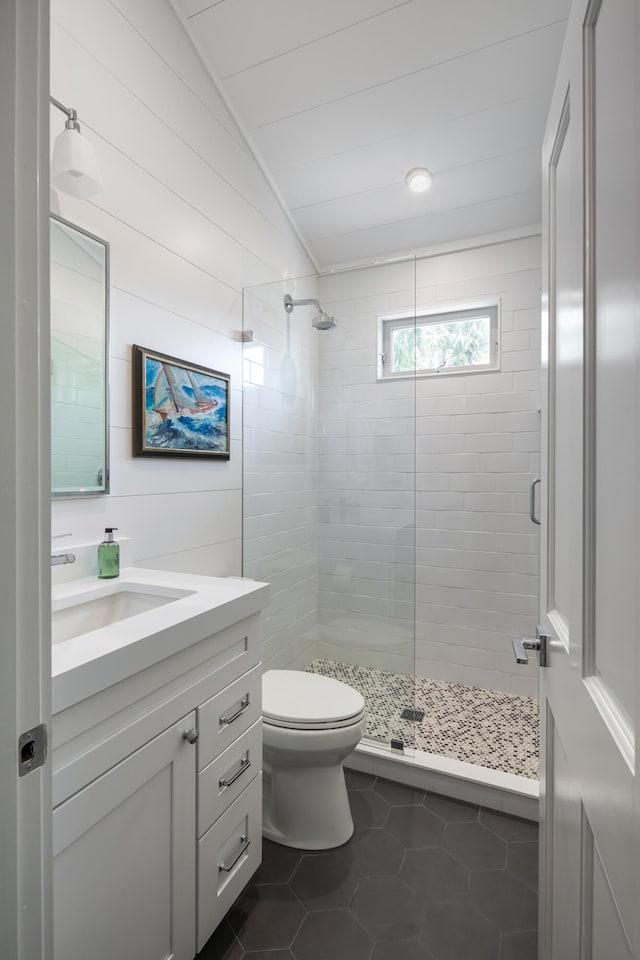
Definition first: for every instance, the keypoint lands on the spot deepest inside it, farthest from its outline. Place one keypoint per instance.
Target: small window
(453, 341)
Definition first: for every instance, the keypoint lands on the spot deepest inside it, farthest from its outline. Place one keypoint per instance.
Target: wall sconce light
(74, 168)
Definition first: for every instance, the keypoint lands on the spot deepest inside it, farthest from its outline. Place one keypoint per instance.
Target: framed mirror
(79, 361)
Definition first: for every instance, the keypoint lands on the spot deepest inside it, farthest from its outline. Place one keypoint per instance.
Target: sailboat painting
(180, 409)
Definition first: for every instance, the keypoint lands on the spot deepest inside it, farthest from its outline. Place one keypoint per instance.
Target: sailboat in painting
(177, 392)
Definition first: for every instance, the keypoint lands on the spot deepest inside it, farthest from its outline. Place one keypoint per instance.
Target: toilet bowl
(311, 724)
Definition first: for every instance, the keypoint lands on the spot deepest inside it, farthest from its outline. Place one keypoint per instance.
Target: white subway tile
(459, 404)
(527, 380)
(436, 557)
(526, 442)
(527, 319)
(508, 402)
(513, 483)
(489, 442)
(505, 462)
(475, 423)
(440, 670)
(494, 502)
(508, 522)
(440, 500)
(433, 481)
(521, 360)
(451, 462)
(440, 443)
(429, 425)
(473, 482)
(516, 340)
(487, 383)
(470, 540)
(517, 422)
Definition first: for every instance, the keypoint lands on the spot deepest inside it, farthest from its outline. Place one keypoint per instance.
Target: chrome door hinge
(32, 749)
(522, 644)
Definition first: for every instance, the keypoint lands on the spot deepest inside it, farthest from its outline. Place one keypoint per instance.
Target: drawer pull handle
(245, 763)
(244, 703)
(223, 868)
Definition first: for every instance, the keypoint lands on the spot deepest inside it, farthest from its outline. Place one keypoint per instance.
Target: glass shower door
(329, 486)
(366, 582)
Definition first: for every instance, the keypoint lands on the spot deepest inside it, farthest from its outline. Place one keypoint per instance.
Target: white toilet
(311, 724)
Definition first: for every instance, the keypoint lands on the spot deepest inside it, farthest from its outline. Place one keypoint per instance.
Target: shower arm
(289, 304)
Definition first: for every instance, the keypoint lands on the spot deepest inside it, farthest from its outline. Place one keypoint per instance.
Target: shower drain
(410, 713)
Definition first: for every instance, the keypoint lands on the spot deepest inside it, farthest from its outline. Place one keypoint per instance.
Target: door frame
(25, 648)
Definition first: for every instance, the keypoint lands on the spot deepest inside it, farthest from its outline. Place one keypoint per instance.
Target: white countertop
(86, 664)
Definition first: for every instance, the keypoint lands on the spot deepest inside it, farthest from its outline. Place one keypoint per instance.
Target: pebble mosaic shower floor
(491, 729)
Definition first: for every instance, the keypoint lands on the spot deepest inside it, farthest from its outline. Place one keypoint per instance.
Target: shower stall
(350, 513)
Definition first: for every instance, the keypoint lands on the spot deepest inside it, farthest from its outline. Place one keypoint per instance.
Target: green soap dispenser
(108, 556)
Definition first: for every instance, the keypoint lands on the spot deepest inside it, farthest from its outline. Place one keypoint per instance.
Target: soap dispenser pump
(108, 556)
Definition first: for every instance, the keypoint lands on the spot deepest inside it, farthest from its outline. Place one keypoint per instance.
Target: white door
(590, 867)
(25, 675)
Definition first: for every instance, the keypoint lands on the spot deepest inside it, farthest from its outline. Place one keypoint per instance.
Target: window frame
(438, 315)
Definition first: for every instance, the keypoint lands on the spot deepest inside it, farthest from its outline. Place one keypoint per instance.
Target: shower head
(321, 322)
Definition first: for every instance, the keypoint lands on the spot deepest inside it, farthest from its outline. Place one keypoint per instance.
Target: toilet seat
(308, 701)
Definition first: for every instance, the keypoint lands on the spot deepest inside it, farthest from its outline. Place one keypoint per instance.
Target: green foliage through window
(463, 343)
(436, 343)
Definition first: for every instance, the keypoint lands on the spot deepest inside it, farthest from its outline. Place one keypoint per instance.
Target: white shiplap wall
(476, 452)
(191, 220)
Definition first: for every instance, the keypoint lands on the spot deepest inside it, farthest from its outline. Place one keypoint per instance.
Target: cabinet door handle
(245, 763)
(244, 703)
(191, 736)
(223, 868)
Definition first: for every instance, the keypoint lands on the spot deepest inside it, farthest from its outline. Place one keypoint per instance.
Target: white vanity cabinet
(156, 833)
(124, 857)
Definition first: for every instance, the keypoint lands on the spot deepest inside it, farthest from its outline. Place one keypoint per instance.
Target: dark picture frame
(180, 409)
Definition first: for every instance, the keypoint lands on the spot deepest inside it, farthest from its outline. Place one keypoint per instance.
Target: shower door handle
(532, 501)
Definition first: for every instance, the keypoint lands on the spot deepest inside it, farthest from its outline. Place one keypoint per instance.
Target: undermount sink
(106, 631)
(83, 614)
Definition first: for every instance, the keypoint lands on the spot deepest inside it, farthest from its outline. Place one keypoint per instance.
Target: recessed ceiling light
(419, 179)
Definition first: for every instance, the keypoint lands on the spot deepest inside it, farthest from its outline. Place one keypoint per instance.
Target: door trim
(25, 674)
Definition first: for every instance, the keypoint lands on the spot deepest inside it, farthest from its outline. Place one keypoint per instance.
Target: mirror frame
(107, 288)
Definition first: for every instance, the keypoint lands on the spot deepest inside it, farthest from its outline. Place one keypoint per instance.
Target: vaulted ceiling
(340, 98)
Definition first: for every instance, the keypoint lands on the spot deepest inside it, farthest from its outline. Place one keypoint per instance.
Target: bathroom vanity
(157, 748)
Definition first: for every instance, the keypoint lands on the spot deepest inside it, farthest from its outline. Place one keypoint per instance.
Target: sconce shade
(74, 168)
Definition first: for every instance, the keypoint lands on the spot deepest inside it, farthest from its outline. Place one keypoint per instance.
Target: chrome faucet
(59, 558)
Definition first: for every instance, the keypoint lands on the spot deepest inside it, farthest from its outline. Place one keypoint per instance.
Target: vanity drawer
(227, 776)
(224, 717)
(228, 856)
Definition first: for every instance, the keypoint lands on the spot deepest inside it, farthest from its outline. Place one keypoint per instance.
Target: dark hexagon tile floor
(422, 878)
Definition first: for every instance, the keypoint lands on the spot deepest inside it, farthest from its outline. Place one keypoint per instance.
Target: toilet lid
(299, 700)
